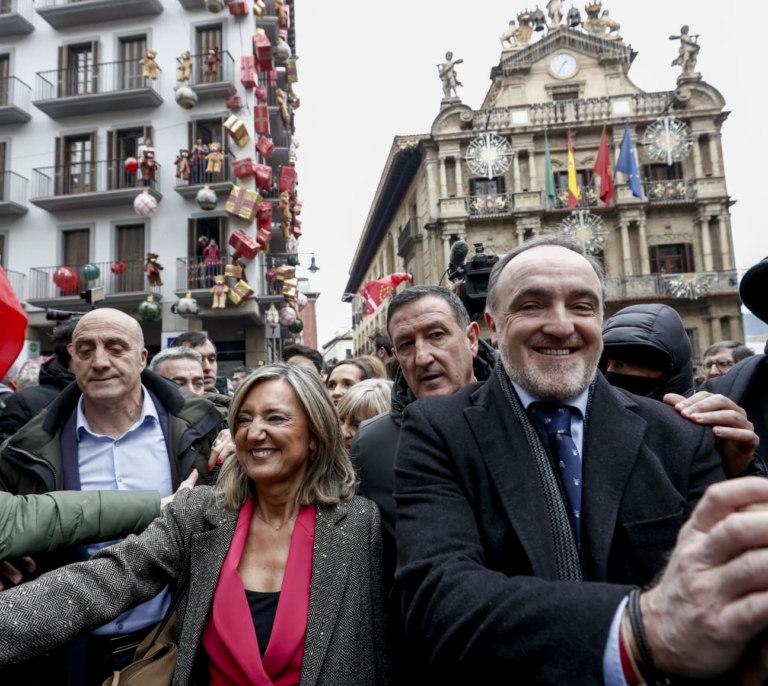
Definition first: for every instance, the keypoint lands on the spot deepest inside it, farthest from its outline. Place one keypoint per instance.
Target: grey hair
(543, 239)
(175, 354)
(738, 350)
(330, 475)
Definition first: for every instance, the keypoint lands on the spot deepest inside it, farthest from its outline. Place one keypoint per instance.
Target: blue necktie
(554, 421)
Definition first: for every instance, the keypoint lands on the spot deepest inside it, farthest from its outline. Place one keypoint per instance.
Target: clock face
(563, 65)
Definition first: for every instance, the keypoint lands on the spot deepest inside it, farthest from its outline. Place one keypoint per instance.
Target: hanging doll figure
(148, 164)
(185, 68)
(219, 290)
(215, 158)
(149, 67)
(212, 60)
(152, 269)
(199, 151)
(271, 277)
(183, 167)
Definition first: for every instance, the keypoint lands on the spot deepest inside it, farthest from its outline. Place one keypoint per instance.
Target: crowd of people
(561, 504)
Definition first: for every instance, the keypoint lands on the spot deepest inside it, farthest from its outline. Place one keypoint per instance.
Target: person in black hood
(54, 377)
(646, 351)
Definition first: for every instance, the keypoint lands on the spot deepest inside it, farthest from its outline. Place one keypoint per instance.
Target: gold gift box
(242, 203)
(290, 287)
(237, 130)
(240, 292)
(285, 271)
(233, 271)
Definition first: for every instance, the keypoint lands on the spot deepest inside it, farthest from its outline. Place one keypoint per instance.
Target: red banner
(376, 292)
(14, 325)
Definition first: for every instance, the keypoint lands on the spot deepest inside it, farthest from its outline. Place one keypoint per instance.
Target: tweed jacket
(346, 641)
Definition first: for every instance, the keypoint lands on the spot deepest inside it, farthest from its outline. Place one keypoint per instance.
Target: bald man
(118, 427)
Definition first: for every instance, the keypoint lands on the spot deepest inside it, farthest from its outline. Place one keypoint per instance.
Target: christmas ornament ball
(206, 198)
(66, 279)
(131, 165)
(187, 305)
(145, 205)
(301, 300)
(150, 310)
(297, 327)
(186, 96)
(118, 268)
(287, 316)
(91, 272)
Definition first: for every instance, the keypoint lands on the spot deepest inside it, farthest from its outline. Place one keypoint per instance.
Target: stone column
(714, 154)
(717, 330)
(516, 173)
(432, 192)
(725, 243)
(443, 179)
(446, 251)
(697, 168)
(625, 249)
(532, 166)
(520, 233)
(459, 177)
(706, 244)
(645, 264)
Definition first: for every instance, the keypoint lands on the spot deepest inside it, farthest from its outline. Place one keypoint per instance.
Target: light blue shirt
(613, 674)
(136, 461)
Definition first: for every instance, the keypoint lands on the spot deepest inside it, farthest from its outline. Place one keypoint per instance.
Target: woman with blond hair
(363, 401)
(277, 568)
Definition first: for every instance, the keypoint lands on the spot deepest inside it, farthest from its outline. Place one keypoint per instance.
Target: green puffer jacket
(41, 523)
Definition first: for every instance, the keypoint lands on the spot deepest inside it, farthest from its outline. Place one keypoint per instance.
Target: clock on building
(563, 65)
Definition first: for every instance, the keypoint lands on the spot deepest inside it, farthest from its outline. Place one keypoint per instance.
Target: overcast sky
(367, 72)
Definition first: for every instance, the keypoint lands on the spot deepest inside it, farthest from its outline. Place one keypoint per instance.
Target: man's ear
(492, 326)
(473, 334)
(143, 359)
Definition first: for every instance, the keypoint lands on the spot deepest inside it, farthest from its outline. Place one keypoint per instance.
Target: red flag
(376, 292)
(603, 170)
(14, 325)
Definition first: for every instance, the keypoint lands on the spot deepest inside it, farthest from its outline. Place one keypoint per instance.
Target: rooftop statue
(601, 26)
(448, 76)
(573, 18)
(688, 53)
(555, 10)
(509, 37)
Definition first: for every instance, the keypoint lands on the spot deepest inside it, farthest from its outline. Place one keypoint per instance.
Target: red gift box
(263, 237)
(244, 244)
(238, 8)
(261, 93)
(234, 103)
(248, 75)
(261, 119)
(264, 214)
(297, 207)
(262, 49)
(288, 179)
(244, 168)
(263, 174)
(296, 229)
(265, 147)
(272, 78)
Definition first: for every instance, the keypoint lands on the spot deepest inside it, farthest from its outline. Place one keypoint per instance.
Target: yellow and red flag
(574, 192)
(376, 292)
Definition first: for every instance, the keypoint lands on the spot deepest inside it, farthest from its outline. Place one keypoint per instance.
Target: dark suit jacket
(345, 644)
(476, 564)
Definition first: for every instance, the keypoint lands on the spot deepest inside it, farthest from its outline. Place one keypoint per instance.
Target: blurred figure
(55, 375)
(183, 366)
(214, 384)
(345, 374)
(720, 357)
(377, 366)
(238, 376)
(363, 401)
(382, 345)
(29, 374)
(302, 355)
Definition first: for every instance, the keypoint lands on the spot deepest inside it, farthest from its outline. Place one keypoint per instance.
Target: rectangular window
(493, 186)
(675, 258)
(558, 96)
(202, 133)
(76, 165)
(199, 273)
(130, 249)
(693, 335)
(77, 247)
(78, 70)
(663, 172)
(208, 37)
(121, 145)
(5, 82)
(131, 51)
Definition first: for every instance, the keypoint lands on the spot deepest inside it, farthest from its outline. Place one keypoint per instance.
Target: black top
(263, 610)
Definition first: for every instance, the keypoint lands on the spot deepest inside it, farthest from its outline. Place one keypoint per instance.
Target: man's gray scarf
(566, 552)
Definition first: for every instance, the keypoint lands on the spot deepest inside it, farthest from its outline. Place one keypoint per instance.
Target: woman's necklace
(276, 528)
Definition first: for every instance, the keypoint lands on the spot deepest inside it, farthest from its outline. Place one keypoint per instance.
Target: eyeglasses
(722, 364)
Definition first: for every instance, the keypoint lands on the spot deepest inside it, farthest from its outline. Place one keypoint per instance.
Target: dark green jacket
(41, 523)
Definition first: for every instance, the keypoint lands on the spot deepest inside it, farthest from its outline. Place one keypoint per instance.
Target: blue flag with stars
(627, 164)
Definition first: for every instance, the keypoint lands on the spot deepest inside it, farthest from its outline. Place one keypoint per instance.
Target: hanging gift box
(259, 8)
(284, 19)
(265, 147)
(242, 203)
(240, 292)
(237, 130)
(234, 103)
(263, 236)
(297, 207)
(244, 168)
(288, 179)
(233, 271)
(290, 287)
(296, 228)
(264, 215)
(261, 119)
(285, 271)
(262, 50)
(291, 75)
(244, 244)
(272, 78)
(248, 76)
(261, 93)
(263, 174)
(238, 8)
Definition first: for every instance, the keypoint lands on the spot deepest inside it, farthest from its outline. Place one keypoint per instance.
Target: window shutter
(688, 257)
(653, 254)
(62, 73)
(472, 187)
(500, 185)
(191, 134)
(95, 71)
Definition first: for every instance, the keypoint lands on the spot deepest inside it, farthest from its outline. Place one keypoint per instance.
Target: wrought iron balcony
(13, 194)
(196, 274)
(221, 183)
(97, 88)
(15, 17)
(17, 280)
(407, 236)
(589, 198)
(209, 84)
(14, 100)
(122, 286)
(62, 14)
(676, 190)
(83, 185)
(689, 286)
(490, 204)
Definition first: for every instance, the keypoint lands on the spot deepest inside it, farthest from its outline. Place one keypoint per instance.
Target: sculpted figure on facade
(448, 76)
(688, 54)
(601, 26)
(509, 37)
(611, 26)
(555, 11)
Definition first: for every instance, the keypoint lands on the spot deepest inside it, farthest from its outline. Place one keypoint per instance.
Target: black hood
(402, 396)
(53, 374)
(654, 335)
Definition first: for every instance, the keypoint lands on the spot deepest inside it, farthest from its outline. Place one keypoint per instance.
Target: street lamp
(313, 268)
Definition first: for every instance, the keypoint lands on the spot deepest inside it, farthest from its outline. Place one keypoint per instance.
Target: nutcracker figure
(199, 151)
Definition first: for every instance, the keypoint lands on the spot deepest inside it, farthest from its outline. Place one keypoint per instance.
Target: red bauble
(67, 279)
(118, 268)
(131, 165)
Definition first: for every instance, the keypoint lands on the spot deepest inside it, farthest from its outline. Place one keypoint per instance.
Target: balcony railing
(589, 198)
(16, 280)
(61, 14)
(490, 204)
(197, 273)
(88, 177)
(676, 190)
(131, 280)
(199, 176)
(13, 193)
(14, 100)
(103, 87)
(665, 286)
(15, 17)
(209, 84)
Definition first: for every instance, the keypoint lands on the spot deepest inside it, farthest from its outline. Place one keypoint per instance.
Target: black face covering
(639, 385)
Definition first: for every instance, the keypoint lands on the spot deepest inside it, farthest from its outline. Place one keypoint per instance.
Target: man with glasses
(720, 357)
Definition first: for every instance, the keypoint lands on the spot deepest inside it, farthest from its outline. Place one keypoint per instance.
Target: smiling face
(342, 378)
(107, 356)
(434, 352)
(547, 322)
(272, 436)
